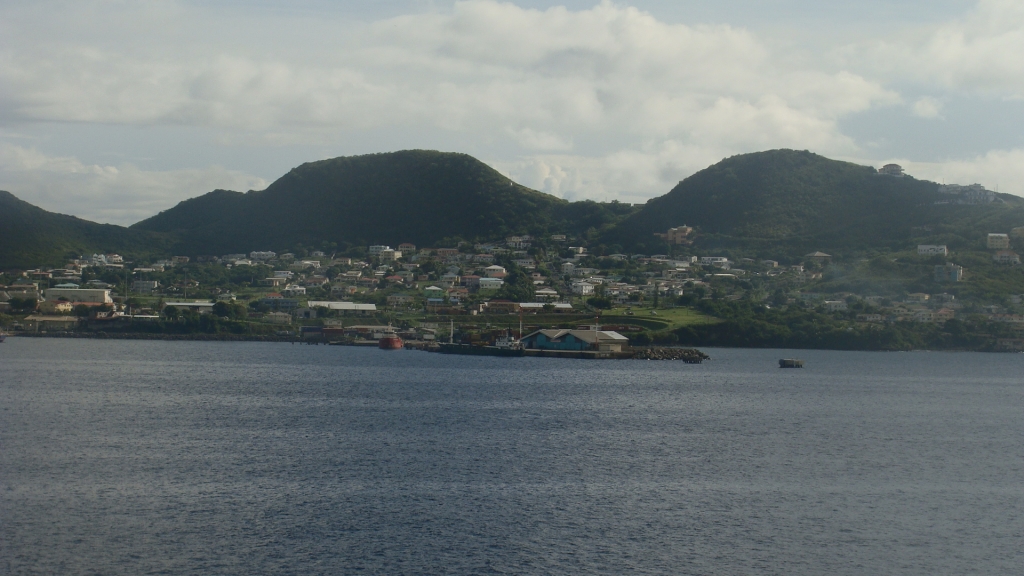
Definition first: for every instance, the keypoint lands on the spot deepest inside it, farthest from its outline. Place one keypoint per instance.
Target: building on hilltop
(891, 170)
(970, 194)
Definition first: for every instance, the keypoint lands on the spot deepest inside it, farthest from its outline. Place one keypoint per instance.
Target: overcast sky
(115, 110)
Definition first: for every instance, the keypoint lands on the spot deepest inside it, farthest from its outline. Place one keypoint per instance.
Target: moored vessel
(390, 341)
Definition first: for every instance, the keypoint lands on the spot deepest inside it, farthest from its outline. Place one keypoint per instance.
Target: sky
(114, 110)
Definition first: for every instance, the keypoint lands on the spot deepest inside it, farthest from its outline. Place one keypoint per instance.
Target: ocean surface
(135, 457)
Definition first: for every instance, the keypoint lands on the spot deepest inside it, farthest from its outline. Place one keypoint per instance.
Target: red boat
(390, 342)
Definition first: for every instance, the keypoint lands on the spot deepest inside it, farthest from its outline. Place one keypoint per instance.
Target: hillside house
(894, 170)
(819, 257)
(491, 283)
(948, 272)
(582, 288)
(495, 271)
(998, 242)
(932, 250)
(433, 292)
(677, 235)
(836, 305)
(1007, 257)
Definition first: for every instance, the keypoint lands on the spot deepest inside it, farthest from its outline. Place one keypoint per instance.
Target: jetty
(791, 363)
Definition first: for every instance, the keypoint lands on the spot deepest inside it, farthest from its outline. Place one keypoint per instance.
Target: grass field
(661, 319)
(656, 320)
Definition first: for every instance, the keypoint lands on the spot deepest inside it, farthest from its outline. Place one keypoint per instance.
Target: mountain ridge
(776, 203)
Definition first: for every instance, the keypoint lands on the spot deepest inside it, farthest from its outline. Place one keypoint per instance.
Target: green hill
(415, 196)
(32, 236)
(787, 203)
(777, 204)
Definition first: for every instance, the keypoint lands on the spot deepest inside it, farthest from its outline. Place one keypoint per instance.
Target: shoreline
(295, 339)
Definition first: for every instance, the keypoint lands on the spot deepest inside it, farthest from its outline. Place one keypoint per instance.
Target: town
(477, 292)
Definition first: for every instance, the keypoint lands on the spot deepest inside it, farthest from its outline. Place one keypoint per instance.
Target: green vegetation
(745, 324)
(418, 196)
(31, 236)
(782, 204)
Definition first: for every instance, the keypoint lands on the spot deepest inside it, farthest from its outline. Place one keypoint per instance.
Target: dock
(791, 363)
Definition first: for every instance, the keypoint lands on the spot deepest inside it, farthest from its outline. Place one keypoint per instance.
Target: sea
(153, 457)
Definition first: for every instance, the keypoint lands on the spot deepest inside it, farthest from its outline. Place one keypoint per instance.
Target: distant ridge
(778, 203)
(416, 195)
(792, 202)
(31, 236)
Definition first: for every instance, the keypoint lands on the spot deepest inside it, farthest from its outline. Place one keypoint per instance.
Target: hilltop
(788, 203)
(418, 196)
(779, 204)
(32, 236)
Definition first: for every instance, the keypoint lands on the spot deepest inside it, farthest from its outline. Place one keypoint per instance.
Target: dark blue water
(248, 458)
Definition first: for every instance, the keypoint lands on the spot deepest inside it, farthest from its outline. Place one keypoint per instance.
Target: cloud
(607, 102)
(1001, 170)
(121, 194)
(976, 54)
(926, 107)
(611, 71)
(623, 175)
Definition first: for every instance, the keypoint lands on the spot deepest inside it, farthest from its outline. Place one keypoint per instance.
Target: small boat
(791, 363)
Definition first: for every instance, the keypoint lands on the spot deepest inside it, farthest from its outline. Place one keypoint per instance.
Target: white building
(835, 305)
(716, 261)
(376, 249)
(494, 271)
(491, 283)
(932, 250)
(582, 288)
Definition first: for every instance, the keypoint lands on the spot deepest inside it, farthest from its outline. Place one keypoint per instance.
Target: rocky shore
(688, 355)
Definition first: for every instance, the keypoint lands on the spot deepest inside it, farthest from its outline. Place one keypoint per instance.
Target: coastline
(199, 337)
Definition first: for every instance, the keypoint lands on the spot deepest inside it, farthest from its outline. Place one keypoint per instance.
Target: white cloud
(976, 54)
(121, 194)
(602, 103)
(545, 80)
(926, 107)
(1001, 170)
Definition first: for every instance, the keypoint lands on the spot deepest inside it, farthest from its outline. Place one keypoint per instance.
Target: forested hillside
(31, 236)
(417, 196)
(788, 203)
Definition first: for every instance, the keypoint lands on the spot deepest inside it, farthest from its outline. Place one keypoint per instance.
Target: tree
(170, 312)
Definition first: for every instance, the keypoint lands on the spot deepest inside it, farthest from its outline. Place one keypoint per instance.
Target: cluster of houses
(467, 280)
